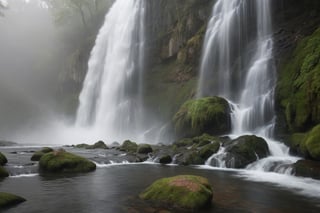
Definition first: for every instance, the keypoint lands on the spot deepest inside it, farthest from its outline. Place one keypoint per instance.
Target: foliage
(298, 85)
(184, 191)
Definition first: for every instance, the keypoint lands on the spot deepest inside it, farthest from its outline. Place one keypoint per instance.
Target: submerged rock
(307, 168)
(195, 117)
(37, 155)
(3, 172)
(8, 200)
(62, 161)
(245, 150)
(3, 159)
(184, 191)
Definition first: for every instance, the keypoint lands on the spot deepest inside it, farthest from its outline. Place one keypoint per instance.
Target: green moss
(97, 145)
(3, 172)
(8, 200)
(129, 146)
(61, 161)
(184, 191)
(82, 146)
(37, 155)
(298, 85)
(184, 142)
(312, 143)
(144, 149)
(206, 151)
(3, 159)
(211, 114)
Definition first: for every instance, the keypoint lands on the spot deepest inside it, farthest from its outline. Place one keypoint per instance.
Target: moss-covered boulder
(245, 150)
(184, 191)
(82, 146)
(298, 86)
(3, 159)
(129, 146)
(307, 168)
(166, 159)
(144, 149)
(3, 172)
(98, 145)
(205, 115)
(8, 200)
(62, 161)
(184, 142)
(206, 151)
(37, 155)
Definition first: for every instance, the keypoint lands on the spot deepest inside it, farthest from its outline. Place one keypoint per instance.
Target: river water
(115, 188)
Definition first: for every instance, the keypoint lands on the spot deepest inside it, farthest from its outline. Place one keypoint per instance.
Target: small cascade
(238, 65)
(111, 97)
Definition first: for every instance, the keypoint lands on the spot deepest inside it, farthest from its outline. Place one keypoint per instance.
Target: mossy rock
(245, 150)
(8, 200)
(129, 146)
(184, 142)
(312, 143)
(97, 145)
(144, 149)
(166, 159)
(37, 155)
(205, 139)
(3, 172)
(307, 168)
(82, 146)
(206, 151)
(184, 191)
(298, 86)
(205, 115)
(3, 159)
(61, 161)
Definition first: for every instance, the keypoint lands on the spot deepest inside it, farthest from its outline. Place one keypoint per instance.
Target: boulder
(8, 200)
(184, 191)
(65, 162)
(37, 155)
(129, 146)
(245, 150)
(206, 115)
(166, 159)
(307, 168)
(3, 159)
(97, 145)
(3, 172)
(144, 149)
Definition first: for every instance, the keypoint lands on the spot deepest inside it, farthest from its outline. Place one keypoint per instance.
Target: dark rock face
(3, 172)
(144, 149)
(245, 150)
(205, 115)
(165, 159)
(307, 168)
(184, 191)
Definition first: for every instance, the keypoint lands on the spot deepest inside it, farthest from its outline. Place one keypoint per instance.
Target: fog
(32, 52)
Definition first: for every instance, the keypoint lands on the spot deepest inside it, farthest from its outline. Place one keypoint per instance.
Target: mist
(32, 52)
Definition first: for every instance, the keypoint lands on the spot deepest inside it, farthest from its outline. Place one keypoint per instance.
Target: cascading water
(241, 65)
(111, 98)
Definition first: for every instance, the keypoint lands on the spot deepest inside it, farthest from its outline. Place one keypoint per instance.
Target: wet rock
(307, 168)
(3, 159)
(129, 146)
(144, 149)
(3, 172)
(98, 145)
(166, 159)
(184, 191)
(8, 200)
(205, 115)
(245, 150)
(37, 155)
(62, 161)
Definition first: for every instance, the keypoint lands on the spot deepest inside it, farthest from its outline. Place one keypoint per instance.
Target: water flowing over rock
(238, 65)
(111, 98)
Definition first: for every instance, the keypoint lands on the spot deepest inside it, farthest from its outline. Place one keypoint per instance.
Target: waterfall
(237, 64)
(111, 97)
